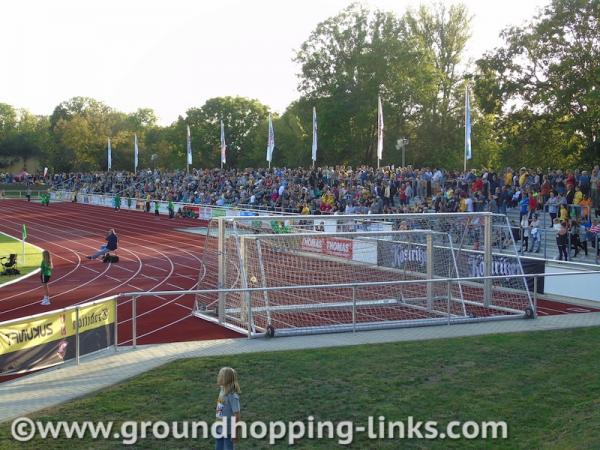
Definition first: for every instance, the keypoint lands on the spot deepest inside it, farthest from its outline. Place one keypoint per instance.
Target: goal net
(297, 280)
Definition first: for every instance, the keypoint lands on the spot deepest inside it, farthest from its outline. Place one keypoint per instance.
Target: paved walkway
(52, 387)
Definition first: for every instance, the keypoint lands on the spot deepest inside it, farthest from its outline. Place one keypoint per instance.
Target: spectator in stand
(552, 207)
(562, 241)
(595, 190)
(563, 213)
(523, 206)
(535, 234)
(532, 208)
(584, 182)
(524, 234)
(592, 235)
(545, 189)
(576, 241)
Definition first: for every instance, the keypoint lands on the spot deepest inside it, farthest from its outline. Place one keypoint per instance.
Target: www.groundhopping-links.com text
(25, 429)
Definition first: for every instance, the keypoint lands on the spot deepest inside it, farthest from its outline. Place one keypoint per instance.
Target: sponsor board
(339, 247)
(49, 339)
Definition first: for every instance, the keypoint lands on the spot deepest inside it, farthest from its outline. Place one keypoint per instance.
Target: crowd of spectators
(550, 198)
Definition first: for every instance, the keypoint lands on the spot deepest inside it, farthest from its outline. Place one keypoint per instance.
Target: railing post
(487, 259)
(535, 297)
(429, 272)
(354, 309)
(249, 306)
(222, 263)
(134, 320)
(449, 300)
(116, 324)
(77, 349)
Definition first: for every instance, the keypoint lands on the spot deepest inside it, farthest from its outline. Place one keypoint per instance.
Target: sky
(171, 55)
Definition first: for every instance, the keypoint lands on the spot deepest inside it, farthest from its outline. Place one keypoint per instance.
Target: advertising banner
(342, 248)
(50, 339)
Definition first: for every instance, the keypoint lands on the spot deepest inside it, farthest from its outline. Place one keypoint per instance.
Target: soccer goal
(302, 281)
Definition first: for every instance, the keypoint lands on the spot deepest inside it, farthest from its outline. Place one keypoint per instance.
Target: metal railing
(352, 305)
(77, 309)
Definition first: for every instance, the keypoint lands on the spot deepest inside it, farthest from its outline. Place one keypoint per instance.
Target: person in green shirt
(45, 273)
(156, 208)
(171, 209)
(117, 202)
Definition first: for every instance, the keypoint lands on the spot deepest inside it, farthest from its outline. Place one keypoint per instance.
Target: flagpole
(467, 127)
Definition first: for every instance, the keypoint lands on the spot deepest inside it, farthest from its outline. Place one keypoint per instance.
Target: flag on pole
(189, 146)
(379, 130)
(467, 125)
(314, 140)
(223, 145)
(109, 156)
(270, 141)
(24, 232)
(135, 153)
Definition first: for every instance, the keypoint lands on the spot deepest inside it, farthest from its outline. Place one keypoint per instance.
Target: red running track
(153, 253)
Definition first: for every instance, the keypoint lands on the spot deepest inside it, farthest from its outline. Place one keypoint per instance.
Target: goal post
(378, 271)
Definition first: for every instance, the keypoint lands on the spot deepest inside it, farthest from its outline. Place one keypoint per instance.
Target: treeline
(535, 101)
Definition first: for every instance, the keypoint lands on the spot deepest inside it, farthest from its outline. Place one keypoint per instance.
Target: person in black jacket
(562, 241)
(111, 245)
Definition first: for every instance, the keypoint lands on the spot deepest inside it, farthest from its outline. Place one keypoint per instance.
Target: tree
(411, 62)
(444, 32)
(549, 69)
(241, 118)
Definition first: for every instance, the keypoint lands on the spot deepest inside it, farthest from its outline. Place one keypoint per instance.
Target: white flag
(135, 154)
(467, 125)
(189, 146)
(109, 156)
(314, 141)
(270, 141)
(223, 145)
(45, 171)
(379, 130)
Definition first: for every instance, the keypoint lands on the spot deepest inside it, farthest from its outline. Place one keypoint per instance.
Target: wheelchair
(9, 267)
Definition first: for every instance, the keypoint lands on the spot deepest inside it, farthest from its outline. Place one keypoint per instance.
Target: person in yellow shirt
(586, 204)
(563, 213)
(508, 176)
(578, 196)
(523, 177)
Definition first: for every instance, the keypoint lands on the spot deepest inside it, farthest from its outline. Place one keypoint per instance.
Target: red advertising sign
(342, 248)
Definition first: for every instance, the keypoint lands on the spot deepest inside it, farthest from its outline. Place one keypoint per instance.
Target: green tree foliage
(411, 62)
(548, 74)
(242, 118)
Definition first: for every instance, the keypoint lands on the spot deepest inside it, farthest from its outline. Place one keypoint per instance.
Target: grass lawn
(545, 385)
(33, 256)
(18, 190)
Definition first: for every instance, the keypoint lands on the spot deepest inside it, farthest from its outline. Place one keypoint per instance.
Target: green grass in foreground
(33, 256)
(546, 385)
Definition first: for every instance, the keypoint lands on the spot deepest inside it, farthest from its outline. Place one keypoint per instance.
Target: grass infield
(33, 256)
(545, 385)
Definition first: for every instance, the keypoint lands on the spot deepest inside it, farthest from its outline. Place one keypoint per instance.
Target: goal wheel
(270, 331)
(529, 314)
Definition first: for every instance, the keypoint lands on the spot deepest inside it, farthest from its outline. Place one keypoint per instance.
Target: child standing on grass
(46, 273)
(228, 405)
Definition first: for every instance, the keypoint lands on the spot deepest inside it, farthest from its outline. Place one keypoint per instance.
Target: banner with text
(50, 339)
